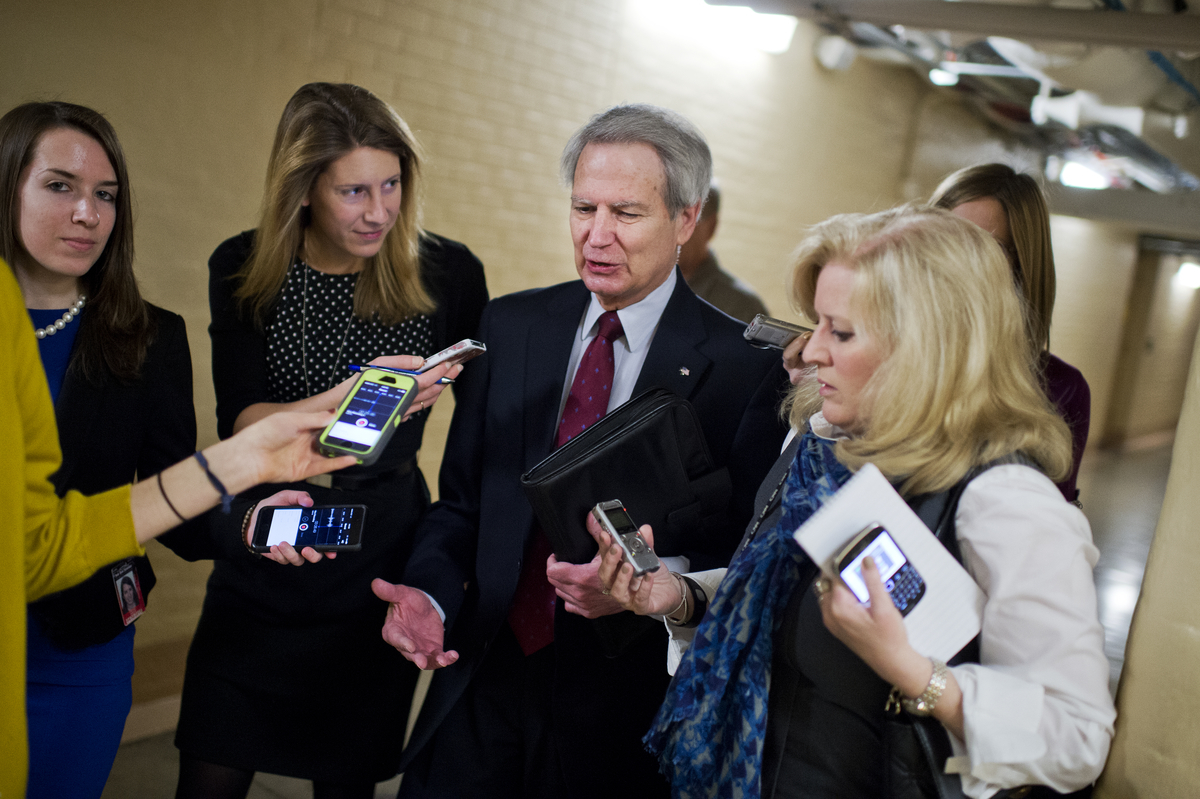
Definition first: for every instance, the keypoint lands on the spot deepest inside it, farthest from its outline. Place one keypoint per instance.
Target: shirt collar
(638, 320)
(823, 429)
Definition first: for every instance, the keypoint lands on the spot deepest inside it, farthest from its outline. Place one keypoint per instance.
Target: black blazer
(469, 548)
(110, 434)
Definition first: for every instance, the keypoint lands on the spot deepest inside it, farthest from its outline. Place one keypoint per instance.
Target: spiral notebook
(950, 613)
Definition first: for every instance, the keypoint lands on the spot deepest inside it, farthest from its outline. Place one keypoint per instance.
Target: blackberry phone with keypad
(902, 581)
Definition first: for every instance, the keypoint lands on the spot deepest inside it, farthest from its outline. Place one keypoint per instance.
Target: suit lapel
(674, 361)
(549, 338)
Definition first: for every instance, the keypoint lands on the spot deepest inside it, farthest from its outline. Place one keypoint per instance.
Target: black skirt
(288, 673)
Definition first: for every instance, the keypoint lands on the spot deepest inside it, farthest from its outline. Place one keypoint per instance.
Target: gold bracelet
(923, 705)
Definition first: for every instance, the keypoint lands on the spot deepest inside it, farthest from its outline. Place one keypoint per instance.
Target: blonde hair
(957, 387)
(321, 123)
(1029, 225)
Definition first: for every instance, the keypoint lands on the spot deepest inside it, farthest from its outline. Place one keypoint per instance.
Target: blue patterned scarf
(709, 732)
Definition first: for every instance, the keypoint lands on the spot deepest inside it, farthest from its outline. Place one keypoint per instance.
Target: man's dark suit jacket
(111, 433)
(469, 548)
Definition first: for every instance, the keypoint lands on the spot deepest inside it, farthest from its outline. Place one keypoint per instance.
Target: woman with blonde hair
(918, 366)
(287, 672)
(1010, 206)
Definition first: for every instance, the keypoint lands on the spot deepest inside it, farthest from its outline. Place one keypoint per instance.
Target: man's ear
(687, 222)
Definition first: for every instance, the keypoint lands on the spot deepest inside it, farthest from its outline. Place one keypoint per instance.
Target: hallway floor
(1122, 495)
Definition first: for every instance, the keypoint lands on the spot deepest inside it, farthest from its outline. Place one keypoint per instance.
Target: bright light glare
(1079, 176)
(734, 27)
(1188, 275)
(940, 77)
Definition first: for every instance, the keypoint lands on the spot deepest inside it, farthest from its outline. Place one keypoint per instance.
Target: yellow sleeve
(46, 543)
(66, 539)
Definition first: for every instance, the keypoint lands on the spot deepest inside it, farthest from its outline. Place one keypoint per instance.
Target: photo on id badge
(129, 591)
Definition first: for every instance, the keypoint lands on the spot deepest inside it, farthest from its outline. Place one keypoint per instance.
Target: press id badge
(129, 591)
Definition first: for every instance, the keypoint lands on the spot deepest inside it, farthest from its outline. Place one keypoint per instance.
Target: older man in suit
(526, 703)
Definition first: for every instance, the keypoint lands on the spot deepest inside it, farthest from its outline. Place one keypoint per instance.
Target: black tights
(202, 780)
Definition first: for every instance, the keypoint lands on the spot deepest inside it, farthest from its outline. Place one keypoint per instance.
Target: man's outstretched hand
(413, 626)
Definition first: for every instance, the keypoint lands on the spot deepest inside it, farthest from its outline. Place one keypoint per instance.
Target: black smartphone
(616, 521)
(767, 333)
(900, 578)
(368, 415)
(325, 528)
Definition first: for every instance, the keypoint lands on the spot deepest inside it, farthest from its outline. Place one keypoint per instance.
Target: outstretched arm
(278, 449)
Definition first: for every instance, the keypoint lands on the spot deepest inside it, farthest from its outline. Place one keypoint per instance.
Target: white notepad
(951, 612)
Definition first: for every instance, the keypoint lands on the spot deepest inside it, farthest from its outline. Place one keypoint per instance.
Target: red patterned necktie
(531, 616)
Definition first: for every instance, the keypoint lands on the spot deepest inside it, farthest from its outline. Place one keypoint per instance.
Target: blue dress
(76, 700)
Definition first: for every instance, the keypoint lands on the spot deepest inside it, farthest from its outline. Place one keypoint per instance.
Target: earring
(678, 252)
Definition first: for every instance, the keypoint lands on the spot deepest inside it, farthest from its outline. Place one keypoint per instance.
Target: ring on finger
(422, 404)
(606, 592)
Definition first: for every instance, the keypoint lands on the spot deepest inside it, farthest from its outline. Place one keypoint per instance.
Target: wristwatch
(923, 705)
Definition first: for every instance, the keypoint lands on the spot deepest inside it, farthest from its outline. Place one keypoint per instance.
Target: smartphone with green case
(368, 416)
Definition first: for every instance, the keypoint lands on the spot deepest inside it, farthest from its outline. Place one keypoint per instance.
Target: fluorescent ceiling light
(1188, 275)
(1079, 176)
(940, 77)
(733, 27)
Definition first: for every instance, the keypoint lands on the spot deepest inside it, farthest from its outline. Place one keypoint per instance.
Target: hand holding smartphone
(615, 520)
(369, 415)
(325, 528)
(902, 581)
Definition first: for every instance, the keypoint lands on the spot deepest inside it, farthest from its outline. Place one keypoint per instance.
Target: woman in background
(120, 376)
(1010, 206)
(287, 672)
(920, 367)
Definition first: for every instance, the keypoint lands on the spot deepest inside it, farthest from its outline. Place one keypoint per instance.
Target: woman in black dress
(287, 672)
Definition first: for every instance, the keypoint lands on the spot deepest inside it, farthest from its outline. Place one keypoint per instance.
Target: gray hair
(680, 145)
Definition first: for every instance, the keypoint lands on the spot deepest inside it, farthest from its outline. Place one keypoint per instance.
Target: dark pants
(516, 733)
(496, 740)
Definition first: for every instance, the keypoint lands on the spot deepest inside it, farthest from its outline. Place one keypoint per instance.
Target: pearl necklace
(59, 324)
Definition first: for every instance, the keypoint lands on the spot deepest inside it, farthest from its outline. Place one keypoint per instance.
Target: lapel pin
(683, 370)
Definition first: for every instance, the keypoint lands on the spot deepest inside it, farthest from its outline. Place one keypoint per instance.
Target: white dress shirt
(1036, 708)
(638, 321)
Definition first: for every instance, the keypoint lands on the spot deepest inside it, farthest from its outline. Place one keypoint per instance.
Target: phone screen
(620, 520)
(362, 422)
(337, 526)
(888, 559)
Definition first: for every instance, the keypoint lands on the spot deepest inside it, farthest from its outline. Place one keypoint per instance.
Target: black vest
(826, 711)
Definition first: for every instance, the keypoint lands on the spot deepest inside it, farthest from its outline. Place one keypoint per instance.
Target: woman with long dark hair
(1010, 205)
(120, 374)
(287, 672)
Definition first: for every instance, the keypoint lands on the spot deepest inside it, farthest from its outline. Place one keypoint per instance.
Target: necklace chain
(303, 340)
(59, 324)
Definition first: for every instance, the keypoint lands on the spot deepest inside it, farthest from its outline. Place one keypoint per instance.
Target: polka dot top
(313, 335)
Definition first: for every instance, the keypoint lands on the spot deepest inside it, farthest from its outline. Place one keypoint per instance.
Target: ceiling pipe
(1120, 29)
